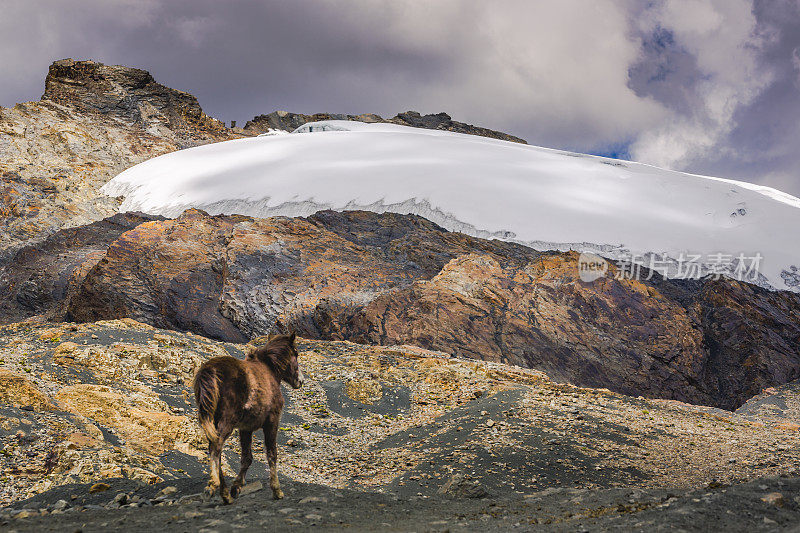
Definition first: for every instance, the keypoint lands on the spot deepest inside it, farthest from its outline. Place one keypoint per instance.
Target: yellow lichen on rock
(19, 391)
(144, 428)
(364, 390)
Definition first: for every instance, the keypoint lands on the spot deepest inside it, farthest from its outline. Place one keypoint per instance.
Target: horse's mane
(276, 353)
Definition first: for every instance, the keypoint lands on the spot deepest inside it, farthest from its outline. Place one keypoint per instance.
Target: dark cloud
(709, 87)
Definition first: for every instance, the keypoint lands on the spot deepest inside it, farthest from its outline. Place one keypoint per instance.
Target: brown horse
(245, 395)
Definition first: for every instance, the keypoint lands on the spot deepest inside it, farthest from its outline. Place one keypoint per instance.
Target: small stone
(484, 413)
(773, 498)
(60, 505)
(121, 498)
(99, 487)
(24, 514)
(189, 498)
(291, 442)
(313, 516)
(167, 491)
(489, 423)
(313, 499)
(254, 486)
(287, 510)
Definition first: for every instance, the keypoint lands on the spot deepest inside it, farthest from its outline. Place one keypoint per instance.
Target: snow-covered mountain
(549, 199)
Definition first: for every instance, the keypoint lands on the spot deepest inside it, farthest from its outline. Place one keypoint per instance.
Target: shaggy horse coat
(245, 395)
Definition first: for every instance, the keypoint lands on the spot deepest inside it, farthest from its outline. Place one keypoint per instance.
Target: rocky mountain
(285, 121)
(445, 373)
(399, 279)
(97, 428)
(41, 277)
(92, 122)
(382, 279)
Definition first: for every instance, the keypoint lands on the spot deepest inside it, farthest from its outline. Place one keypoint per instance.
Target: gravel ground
(308, 506)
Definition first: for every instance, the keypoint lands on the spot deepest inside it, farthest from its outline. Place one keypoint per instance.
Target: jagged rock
(774, 499)
(460, 487)
(133, 95)
(395, 279)
(285, 121)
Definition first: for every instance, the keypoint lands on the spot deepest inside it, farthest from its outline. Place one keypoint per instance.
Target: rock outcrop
(93, 122)
(285, 121)
(132, 95)
(38, 279)
(395, 279)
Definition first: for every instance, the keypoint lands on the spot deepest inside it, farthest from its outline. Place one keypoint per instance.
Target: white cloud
(559, 73)
(556, 70)
(722, 37)
(796, 63)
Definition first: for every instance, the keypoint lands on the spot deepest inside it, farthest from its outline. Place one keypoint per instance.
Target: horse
(245, 395)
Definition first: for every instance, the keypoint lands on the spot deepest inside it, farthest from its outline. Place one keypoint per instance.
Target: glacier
(540, 197)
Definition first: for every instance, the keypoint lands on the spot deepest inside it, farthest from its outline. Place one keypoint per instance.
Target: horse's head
(293, 375)
(280, 354)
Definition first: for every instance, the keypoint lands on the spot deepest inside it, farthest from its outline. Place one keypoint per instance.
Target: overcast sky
(706, 86)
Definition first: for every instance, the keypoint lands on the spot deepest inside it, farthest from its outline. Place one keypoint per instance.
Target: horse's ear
(292, 337)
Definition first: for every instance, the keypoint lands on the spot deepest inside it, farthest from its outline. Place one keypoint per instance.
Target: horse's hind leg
(270, 441)
(215, 454)
(246, 439)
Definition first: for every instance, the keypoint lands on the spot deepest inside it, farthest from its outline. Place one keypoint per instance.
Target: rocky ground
(396, 435)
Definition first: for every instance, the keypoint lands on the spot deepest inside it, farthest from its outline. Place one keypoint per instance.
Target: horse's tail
(206, 393)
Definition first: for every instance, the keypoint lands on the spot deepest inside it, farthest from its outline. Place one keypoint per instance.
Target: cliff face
(39, 278)
(394, 279)
(285, 121)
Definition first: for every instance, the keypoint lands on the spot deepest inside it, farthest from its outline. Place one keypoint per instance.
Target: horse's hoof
(277, 494)
(226, 497)
(235, 490)
(208, 493)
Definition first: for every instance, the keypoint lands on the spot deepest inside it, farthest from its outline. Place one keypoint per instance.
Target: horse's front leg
(246, 440)
(271, 444)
